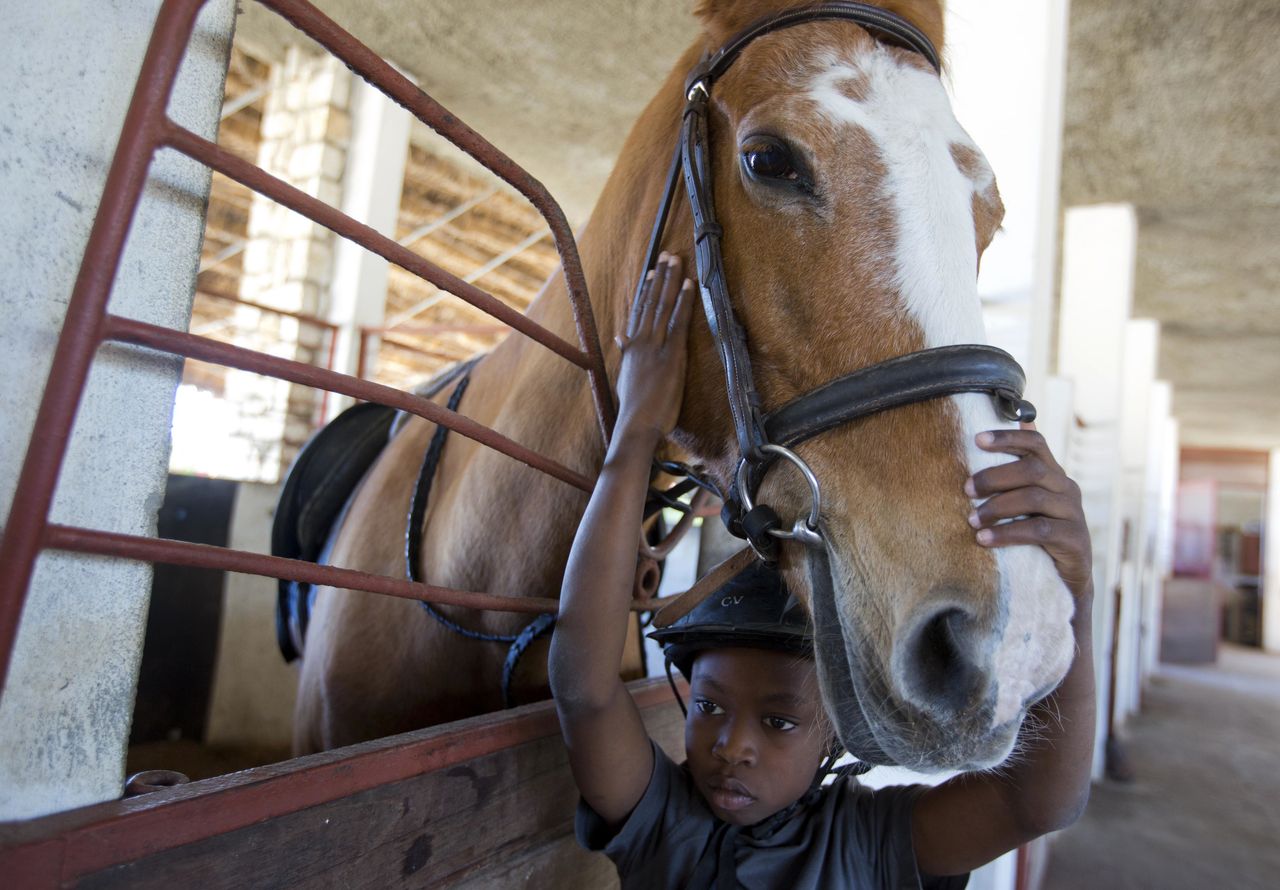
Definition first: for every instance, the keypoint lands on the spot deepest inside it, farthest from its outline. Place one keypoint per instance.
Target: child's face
(755, 733)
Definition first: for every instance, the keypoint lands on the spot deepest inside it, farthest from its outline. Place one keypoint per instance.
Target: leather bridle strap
(893, 383)
(887, 26)
(915, 377)
(731, 340)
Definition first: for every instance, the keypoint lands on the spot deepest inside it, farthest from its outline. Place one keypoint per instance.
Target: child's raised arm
(608, 748)
(975, 817)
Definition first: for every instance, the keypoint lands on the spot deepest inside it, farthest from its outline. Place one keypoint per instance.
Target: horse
(855, 212)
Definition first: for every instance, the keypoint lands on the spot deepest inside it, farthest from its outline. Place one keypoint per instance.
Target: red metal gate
(88, 325)
(66, 848)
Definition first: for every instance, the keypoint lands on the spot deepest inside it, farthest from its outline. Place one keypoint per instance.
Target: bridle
(766, 437)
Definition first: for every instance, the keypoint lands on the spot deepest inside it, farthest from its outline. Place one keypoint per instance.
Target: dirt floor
(1204, 810)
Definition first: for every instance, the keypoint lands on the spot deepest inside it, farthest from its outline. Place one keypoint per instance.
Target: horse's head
(855, 209)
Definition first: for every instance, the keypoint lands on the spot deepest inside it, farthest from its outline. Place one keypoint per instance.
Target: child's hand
(651, 380)
(1042, 502)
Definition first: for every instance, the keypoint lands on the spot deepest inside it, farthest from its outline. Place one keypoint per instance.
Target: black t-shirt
(848, 836)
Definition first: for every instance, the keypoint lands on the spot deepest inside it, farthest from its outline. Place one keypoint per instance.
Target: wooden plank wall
(502, 818)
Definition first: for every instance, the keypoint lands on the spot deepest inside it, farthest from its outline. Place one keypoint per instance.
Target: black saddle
(315, 491)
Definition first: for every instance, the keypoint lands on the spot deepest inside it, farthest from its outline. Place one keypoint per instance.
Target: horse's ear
(721, 19)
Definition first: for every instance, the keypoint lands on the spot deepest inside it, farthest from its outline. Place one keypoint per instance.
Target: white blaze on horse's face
(935, 182)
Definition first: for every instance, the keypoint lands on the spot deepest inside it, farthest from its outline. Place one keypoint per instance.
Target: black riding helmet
(751, 610)
(754, 610)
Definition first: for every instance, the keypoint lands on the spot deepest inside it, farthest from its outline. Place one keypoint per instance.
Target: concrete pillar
(1056, 416)
(68, 75)
(1170, 465)
(1097, 292)
(1017, 121)
(371, 193)
(1141, 347)
(288, 260)
(1271, 558)
(1158, 497)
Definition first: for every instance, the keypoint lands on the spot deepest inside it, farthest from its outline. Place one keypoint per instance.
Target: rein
(541, 625)
(764, 438)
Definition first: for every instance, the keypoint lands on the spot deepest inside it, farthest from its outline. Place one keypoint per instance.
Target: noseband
(764, 438)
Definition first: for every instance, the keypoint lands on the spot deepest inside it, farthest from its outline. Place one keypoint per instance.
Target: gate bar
(205, 349)
(74, 539)
(210, 154)
(209, 556)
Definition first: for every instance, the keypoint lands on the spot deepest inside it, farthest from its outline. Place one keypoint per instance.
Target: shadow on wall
(214, 695)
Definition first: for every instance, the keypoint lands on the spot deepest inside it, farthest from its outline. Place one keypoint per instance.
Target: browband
(882, 23)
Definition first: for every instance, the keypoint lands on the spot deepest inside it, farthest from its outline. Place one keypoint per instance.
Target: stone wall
(288, 261)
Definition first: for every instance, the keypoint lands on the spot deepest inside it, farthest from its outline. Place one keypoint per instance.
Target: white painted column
(1017, 122)
(1056, 416)
(371, 193)
(69, 72)
(1271, 558)
(1141, 344)
(1158, 496)
(1170, 465)
(1097, 293)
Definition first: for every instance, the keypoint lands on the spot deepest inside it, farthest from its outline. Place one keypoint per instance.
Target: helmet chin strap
(828, 766)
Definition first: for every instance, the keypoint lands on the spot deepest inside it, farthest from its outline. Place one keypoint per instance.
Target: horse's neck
(612, 245)
(614, 241)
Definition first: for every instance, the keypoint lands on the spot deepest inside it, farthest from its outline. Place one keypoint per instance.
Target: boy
(746, 809)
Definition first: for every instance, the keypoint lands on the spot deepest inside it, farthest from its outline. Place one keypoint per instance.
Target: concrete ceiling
(555, 84)
(1172, 105)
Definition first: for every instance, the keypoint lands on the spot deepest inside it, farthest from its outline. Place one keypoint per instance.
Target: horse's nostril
(939, 670)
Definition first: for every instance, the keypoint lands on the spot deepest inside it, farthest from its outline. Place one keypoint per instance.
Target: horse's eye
(769, 160)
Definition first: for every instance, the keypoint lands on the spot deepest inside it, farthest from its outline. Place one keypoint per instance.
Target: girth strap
(535, 630)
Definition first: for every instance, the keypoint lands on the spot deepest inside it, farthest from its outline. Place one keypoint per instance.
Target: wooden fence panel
(500, 818)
